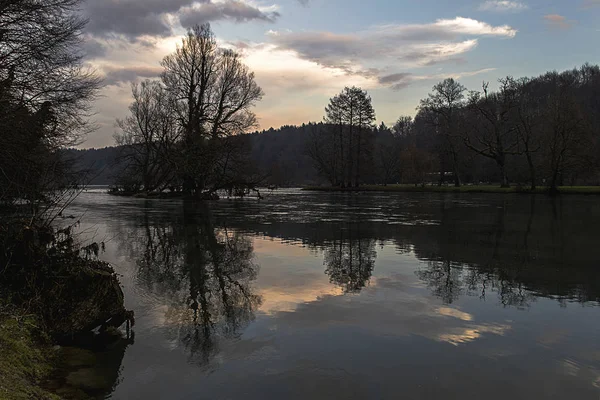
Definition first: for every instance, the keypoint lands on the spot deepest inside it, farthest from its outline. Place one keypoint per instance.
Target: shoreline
(581, 190)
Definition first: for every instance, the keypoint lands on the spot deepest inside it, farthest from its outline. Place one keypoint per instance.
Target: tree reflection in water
(511, 249)
(350, 259)
(203, 272)
(508, 249)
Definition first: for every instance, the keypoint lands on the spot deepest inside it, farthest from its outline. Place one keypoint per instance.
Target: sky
(303, 52)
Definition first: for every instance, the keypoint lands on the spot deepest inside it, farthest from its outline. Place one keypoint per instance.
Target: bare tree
(148, 136)
(528, 119)
(445, 103)
(566, 126)
(214, 94)
(493, 133)
(388, 145)
(403, 127)
(322, 148)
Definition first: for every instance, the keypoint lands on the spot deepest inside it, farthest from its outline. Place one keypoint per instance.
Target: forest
(530, 133)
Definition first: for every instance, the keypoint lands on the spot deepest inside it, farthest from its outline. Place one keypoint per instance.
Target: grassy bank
(587, 190)
(27, 359)
(52, 290)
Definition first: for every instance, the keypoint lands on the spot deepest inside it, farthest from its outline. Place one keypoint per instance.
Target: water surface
(355, 296)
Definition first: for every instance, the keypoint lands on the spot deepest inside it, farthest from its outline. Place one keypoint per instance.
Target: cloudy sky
(305, 51)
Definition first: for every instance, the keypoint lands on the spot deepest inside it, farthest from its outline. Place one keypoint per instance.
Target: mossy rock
(95, 297)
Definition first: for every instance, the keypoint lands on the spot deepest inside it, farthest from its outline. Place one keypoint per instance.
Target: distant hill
(99, 164)
(279, 152)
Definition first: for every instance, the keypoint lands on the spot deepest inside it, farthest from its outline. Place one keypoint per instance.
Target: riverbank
(33, 367)
(27, 358)
(53, 291)
(585, 190)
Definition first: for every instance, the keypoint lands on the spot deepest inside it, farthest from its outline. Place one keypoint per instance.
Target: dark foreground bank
(56, 301)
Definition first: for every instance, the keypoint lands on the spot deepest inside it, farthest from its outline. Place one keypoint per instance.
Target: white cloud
(503, 6)
(408, 45)
(281, 71)
(374, 54)
(469, 26)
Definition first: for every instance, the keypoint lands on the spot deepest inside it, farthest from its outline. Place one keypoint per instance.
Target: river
(354, 296)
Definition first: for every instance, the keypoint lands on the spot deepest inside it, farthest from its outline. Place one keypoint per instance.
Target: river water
(354, 296)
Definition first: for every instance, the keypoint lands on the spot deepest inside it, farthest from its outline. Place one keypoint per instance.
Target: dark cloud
(397, 81)
(230, 10)
(135, 18)
(329, 49)
(121, 75)
(131, 18)
(394, 78)
(92, 49)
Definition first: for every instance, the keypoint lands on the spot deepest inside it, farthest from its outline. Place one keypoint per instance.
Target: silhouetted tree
(148, 136)
(349, 141)
(214, 93)
(45, 97)
(443, 105)
(492, 132)
(528, 119)
(387, 155)
(567, 129)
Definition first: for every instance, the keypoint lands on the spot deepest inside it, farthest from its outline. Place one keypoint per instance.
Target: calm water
(368, 296)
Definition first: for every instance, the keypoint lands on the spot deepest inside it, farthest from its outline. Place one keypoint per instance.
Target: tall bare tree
(214, 94)
(566, 126)
(388, 148)
(528, 119)
(148, 137)
(444, 105)
(493, 133)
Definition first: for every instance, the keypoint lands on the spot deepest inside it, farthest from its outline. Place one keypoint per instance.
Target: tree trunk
(441, 181)
(554, 182)
(531, 170)
(505, 183)
(357, 174)
(502, 164)
(342, 178)
(188, 185)
(457, 181)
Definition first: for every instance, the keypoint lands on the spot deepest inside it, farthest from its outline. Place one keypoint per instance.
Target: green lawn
(453, 189)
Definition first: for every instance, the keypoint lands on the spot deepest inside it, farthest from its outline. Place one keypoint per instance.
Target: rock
(95, 297)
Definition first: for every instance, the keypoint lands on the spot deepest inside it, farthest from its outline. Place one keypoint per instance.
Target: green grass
(26, 359)
(452, 189)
